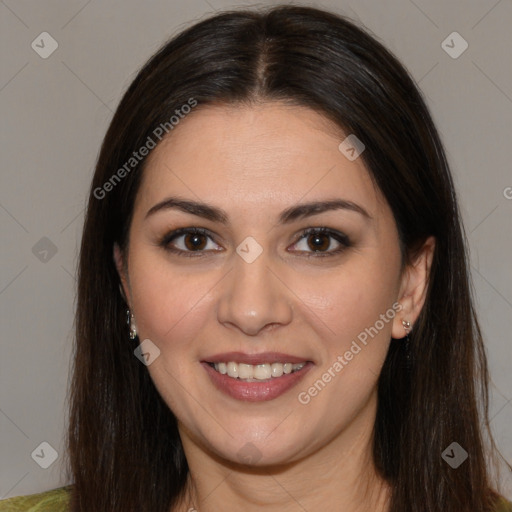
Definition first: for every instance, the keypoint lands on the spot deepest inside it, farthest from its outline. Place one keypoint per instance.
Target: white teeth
(277, 369)
(262, 371)
(233, 370)
(256, 372)
(245, 371)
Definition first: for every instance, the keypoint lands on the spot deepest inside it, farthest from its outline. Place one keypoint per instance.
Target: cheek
(357, 308)
(170, 306)
(351, 300)
(172, 310)
(356, 303)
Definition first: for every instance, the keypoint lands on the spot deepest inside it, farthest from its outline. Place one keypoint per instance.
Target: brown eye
(189, 242)
(319, 242)
(194, 241)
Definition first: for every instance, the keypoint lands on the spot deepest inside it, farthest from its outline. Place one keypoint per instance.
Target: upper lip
(261, 358)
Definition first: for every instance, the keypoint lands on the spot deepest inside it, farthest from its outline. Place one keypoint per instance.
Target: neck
(340, 475)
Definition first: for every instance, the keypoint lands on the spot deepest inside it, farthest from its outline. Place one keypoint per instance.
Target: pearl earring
(407, 325)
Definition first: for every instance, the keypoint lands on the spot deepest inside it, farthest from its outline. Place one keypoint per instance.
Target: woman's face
(251, 287)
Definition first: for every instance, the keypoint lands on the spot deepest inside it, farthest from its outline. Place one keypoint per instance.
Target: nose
(254, 297)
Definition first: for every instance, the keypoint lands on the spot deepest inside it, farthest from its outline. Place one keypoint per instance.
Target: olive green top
(50, 501)
(58, 501)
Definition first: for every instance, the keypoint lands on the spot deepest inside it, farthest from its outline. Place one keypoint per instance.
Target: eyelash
(339, 237)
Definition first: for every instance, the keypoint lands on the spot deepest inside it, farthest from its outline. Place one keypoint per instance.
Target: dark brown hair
(124, 448)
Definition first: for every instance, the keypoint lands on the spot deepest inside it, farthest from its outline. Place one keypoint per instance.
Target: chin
(257, 449)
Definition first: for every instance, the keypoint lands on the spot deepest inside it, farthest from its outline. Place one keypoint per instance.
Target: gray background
(55, 112)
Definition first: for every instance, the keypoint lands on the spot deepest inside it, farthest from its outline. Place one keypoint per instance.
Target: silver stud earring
(407, 325)
(130, 320)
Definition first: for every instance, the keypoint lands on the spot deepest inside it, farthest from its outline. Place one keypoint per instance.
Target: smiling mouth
(257, 372)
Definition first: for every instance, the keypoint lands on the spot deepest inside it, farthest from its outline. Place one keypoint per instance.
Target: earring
(130, 320)
(408, 358)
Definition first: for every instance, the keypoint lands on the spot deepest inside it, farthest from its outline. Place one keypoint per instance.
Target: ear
(413, 287)
(121, 266)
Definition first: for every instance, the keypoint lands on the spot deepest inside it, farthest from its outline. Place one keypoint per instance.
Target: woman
(274, 307)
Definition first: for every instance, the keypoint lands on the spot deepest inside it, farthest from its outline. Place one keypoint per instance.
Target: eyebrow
(287, 216)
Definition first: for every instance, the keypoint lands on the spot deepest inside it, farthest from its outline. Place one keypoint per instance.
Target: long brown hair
(124, 448)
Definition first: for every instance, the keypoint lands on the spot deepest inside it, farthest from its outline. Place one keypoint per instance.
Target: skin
(254, 162)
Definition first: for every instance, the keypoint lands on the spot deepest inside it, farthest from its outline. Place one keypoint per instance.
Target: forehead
(248, 156)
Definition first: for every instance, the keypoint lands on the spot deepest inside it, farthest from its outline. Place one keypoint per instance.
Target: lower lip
(256, 391)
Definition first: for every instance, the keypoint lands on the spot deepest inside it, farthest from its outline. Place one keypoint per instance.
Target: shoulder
(56, 500)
